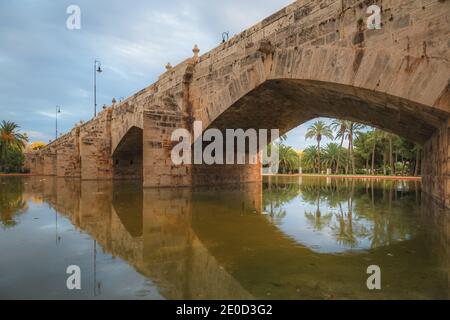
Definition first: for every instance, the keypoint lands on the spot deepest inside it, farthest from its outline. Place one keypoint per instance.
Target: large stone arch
(286, 103)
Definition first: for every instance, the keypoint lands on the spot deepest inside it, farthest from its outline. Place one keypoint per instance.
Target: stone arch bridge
(312, 58)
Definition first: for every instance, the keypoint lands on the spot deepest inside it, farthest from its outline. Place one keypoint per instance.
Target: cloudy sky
(43, 64)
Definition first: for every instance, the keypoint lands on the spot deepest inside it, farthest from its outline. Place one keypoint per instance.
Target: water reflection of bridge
(210, 244)
(150, 230)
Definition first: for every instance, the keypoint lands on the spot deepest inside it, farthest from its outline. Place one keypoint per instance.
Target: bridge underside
(286, 104)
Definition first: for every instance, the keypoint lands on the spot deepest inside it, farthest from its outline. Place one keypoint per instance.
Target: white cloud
(53, 114)
(80, 92)
(37, 136)
(46, 114)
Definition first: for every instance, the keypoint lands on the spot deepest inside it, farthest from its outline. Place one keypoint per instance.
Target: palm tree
(341, 126)
(407, 152)
(331, 155)
(390, 138)
(317, 131)
(375, 138)
(384, 139)
(10, 138)
(418, 150)
(288, 158)
(353, 130)
(309, 158)
(363, 147)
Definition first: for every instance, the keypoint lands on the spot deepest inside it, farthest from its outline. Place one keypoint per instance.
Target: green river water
(289, 238)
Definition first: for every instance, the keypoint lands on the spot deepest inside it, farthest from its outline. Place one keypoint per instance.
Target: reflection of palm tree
(359, 207)
(384, 227)
(344, 232)
(317, 220)
(11, 202)
(347, 235)
(277, 215)
(275, 196)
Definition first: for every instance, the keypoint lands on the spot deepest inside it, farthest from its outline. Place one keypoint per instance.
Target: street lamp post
(57, 111)
(97, 69)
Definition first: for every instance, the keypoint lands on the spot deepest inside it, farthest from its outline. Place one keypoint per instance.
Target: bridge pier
(436, 165)
(158, 168)
(205, 175)
(95, 148)
(49, 168)
(68, 160)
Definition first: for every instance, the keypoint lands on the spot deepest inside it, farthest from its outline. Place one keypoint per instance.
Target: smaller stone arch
(127, 158)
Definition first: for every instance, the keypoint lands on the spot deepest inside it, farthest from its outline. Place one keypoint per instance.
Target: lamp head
(98, 64)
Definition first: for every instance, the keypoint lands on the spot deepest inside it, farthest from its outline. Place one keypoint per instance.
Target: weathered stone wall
(159, 170)
(95, 147)
(436, 165)
(42, 162)
(30, 163)
(204, 175)
(128, 165)
(68, 155)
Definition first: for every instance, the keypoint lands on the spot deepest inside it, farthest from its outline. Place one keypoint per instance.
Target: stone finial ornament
(114, 101)
(168, 66)
(196, 51)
